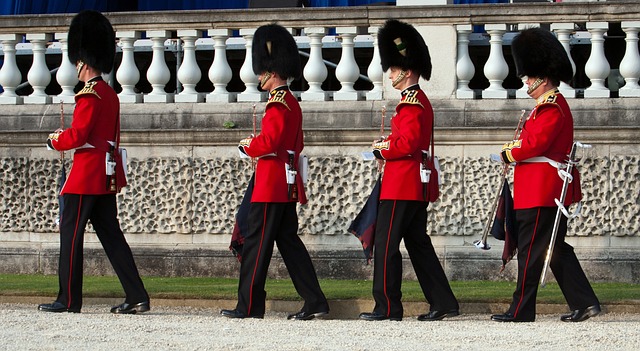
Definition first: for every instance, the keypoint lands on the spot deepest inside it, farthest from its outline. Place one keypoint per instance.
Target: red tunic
(94, 122)
(548, 132)
(281, 131)
(411, 128)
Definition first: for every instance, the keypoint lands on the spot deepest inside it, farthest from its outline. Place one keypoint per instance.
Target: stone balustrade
(182, 76)
(449, 39)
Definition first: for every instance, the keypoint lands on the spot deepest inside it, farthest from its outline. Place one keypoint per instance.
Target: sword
(565, 174)
(383, 115)
(482, 243)
(253, 159)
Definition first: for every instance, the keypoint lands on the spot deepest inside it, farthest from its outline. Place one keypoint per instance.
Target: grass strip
(282, 289)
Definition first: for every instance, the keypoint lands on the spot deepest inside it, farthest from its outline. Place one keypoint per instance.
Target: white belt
(89, 146)
(543, 159)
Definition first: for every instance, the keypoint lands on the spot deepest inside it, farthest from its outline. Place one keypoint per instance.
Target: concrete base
(460, 263)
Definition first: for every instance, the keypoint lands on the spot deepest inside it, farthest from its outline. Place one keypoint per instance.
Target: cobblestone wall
(200, 196)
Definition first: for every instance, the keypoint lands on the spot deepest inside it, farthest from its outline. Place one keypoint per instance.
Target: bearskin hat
(402, 46)
(538, 53)
(92, 40)
(274, 50)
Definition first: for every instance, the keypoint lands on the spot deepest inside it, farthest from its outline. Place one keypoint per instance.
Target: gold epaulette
(549, 97)
(88, 89)
(278, 96)
(411, 98)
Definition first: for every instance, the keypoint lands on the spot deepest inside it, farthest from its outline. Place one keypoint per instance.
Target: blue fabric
(20, 7)
(457, 2)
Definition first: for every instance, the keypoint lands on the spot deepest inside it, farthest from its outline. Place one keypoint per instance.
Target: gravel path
(22, 327)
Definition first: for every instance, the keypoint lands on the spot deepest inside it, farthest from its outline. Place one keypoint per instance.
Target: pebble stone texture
(189, 328)
(200, 196)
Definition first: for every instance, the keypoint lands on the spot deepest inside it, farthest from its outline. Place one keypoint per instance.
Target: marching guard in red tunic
(89, 193)
(278, 184)
(402, 211)
(546, 140)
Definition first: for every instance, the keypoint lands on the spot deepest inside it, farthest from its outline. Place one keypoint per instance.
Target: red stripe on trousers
(73, 247)
(255, 269)
(386, 253)
(524, 275)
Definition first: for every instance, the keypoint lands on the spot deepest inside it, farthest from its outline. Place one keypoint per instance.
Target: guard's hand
(244, 143)
(53, 136)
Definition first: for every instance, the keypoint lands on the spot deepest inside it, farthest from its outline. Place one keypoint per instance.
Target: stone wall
(186, 183)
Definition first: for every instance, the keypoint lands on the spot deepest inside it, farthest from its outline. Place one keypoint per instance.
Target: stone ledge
(460, 263)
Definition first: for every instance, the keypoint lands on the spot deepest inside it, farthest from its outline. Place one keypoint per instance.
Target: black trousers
(406, 219)
(277, 223)
(535, 227)
(102, 211)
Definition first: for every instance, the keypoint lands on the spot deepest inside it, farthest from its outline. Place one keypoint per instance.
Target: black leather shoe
(438, 315)
(237, 314)
(56, 307)
(127, 308)
(305, 316)
(374, 316)
(507, 317)
(582, 315)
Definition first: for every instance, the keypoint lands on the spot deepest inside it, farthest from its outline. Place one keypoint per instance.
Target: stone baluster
(522, 92)
(630, 65)
(189, 72)
(315, 72)
(597, 67)
(250, 79)
(128, 74)
(220, 72)
(158, 73)
(39, 75)
(563, 31)
(347, 71)
(67, 75)
(374, 71)
(496, 68)
(464, 66)
(10, 75)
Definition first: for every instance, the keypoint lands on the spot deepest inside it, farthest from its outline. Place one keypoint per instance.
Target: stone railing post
(158, 74)
(250, 79)
(189, 72)
(220, 72)
(464, 65)
(496, 68)
(10, 75)
(597, 67)
(374, 71)
(315, 72)
(67, 76)
(39, 76)
(630, 65)
(563, 31)
(128, 74)
(347, 70)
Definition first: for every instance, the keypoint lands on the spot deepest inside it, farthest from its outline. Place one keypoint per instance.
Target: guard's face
(397, 76)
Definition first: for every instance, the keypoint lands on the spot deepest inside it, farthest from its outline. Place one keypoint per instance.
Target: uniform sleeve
(84, 118)
(541, 132)
(405, 139)
(272, 133)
